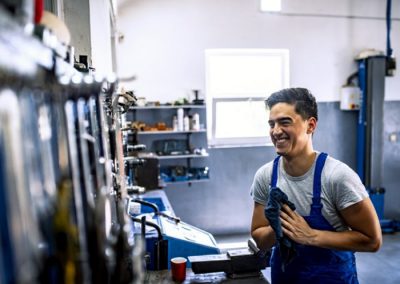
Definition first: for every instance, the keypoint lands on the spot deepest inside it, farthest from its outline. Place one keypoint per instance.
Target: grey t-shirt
(341, 187)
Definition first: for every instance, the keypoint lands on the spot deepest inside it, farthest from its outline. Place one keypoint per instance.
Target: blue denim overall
(314, 265)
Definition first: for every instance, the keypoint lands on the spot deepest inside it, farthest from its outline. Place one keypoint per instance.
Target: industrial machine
(62, 187)
(166, 236)
(371, 78)
(373, 67)
(239, 263)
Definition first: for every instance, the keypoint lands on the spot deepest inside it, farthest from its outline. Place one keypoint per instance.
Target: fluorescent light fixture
(270, 5)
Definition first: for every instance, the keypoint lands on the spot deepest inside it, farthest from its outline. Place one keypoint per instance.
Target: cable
(388, 22)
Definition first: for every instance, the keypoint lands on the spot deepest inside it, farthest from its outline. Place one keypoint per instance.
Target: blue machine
(166, 235)
(182, 240)
(371, 79)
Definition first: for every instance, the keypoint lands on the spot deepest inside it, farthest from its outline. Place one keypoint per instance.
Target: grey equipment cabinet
(181, 154)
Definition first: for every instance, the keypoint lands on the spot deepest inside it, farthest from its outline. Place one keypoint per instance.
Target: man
(342, 220)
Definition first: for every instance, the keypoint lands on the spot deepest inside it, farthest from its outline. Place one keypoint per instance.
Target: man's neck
(299, 165)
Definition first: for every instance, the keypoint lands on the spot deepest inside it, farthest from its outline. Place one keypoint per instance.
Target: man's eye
(271, 125)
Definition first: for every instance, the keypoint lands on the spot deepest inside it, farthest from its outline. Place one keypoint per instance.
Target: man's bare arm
(261, 231)
(365, 234)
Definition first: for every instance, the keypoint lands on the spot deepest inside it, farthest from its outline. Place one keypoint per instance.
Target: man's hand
(295, 227)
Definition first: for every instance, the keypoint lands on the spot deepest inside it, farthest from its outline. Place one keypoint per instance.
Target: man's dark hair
(301, 98)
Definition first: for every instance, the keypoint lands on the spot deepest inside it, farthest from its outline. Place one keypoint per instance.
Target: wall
(77, 19)
(100, 31)
(164, 46)
(89, 25)
(165, 40)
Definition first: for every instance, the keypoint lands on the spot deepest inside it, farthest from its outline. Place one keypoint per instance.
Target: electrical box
(350, 98)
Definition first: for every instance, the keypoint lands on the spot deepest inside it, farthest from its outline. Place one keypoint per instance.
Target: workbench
(164, 277)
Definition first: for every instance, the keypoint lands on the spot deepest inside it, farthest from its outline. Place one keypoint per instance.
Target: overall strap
(316, 200)
(274, 178)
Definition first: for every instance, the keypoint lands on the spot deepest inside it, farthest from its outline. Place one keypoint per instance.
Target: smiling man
(334, 216)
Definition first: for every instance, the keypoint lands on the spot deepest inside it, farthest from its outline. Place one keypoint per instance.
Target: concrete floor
(382, 267)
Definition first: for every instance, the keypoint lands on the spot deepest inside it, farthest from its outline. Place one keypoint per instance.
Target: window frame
(212, 101)
(237, 141)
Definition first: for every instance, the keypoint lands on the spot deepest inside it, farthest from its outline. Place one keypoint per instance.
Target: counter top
(164, 277)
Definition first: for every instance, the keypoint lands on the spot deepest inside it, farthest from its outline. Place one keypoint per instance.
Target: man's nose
(276, 130)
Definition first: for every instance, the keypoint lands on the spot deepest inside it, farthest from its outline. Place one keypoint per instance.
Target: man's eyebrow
(280, 119)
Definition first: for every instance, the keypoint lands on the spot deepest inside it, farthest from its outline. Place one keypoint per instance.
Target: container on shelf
(196, 122)
(186, 125)
(180, 114)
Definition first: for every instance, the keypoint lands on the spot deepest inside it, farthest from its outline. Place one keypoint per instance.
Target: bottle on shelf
(175, 123)
(180, 119)
(195, 122)
(186, 126)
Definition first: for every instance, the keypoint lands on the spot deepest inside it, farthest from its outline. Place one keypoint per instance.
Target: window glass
(237, 82)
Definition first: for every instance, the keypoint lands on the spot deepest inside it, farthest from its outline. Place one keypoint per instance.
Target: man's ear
(312, 125)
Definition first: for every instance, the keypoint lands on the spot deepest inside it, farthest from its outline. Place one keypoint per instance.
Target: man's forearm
(348, 240)
(264, 237)
(365, 234)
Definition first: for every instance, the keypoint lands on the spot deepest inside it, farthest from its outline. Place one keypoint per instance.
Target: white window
(270, 5)
(237, 83)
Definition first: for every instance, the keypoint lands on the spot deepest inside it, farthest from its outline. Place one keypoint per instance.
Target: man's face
(290, 133)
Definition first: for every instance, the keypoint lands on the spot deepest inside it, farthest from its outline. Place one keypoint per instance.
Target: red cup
(178, 269)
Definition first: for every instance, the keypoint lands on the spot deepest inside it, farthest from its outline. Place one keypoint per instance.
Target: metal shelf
(168, 107)
(186, 181)
(170, 157)
(169, 132)
(165, 112)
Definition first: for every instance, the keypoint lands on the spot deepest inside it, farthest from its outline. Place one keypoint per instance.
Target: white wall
(100, 31)
(165, 41)
(76, 15)
(89, 24)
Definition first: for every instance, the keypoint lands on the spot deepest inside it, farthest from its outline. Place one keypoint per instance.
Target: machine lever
(149, 204)
(253, 246)
(137, 147)
(155, 226)
(143, 222)
(133, 161)
(161, 245)
(135, 189)
(156, 210)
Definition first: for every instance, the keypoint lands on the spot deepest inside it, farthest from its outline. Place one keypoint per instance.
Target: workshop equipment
(373, 67)
(239, 263)
(171, 147)
(148, 174)
(180, 238)
(371, 78)
(61, 219)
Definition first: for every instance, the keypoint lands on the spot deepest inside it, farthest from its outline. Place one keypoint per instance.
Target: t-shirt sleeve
(260, 185)
(347, 187)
